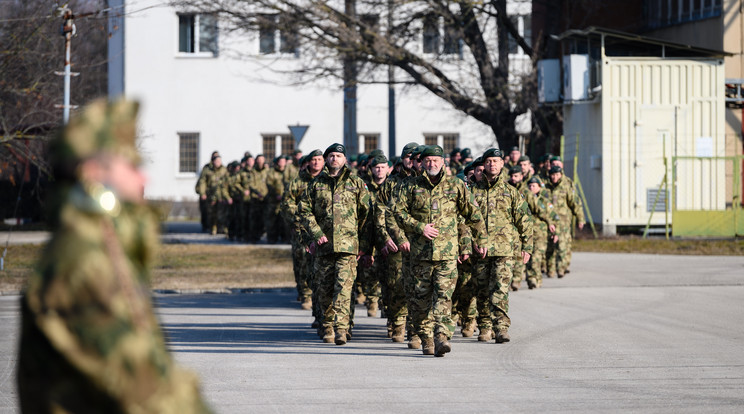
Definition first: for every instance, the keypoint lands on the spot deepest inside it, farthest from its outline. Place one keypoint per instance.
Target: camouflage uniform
(336, 207)
(508, 222)
(301, 259)
(215, 187)
(90, 342)
(258, 204)
(544, 213)
(235, 189)
(567, 205)
(275, 230)
(464, 298)
(203, 204)
(434, 262)
(518, 271)
(370, 276)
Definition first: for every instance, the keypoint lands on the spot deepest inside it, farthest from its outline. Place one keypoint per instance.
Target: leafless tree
(467, 66)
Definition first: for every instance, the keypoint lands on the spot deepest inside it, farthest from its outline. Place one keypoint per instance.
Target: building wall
(230, 101)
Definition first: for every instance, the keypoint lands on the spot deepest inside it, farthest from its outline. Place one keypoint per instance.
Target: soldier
(514, 156)
(567, 206)
(310, 167)
(518, 270)
(526, 165)
(90, 341)
(215, 191)
(207, 170)
(372, 285)
(275, 182)
(293, 166)
(508, 221)
(333, 210)
(455, 165)
(390, 237)
(544, 228)
(259, 191)
(235, 189)
(428, 210)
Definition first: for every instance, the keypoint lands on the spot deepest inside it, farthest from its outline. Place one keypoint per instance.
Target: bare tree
(464, 59)
(31, 51)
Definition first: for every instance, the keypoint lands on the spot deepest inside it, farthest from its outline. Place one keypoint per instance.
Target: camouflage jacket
(90, 341)
(290, 204)
(235, 185)
(507, 216)
(257, 185)
(422, 202)
(275, 183)
(200, 187)
(214, 183)
(336, 207)
(390, 196)
(385, 226)
(542, 209)
(565, 200)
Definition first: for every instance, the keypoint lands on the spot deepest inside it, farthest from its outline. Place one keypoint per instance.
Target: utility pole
(351, 141)
(68, 30)
(391, 86)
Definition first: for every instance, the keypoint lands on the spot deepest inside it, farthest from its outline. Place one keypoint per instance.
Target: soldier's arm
(391, 223)
(465, 237)
(523, 222)
(307, 217)
(402, 214)
(574, 203)
(201, 183)
(470, 211)
(379, 210)
(365, 229)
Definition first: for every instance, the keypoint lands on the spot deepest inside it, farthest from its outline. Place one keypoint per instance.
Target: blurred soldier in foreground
(90, 342)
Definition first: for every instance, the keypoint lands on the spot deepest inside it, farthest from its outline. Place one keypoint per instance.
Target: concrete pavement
(622, 332)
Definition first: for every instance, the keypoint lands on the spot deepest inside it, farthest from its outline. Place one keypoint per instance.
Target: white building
(197, 96)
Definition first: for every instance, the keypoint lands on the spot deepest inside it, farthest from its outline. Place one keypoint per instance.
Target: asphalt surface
(622, 332)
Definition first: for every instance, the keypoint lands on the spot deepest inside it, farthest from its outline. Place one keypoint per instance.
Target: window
(271, 25)
(448, 140)
(285, 141)
(431, 34)
(452, 40)
(524, 27)
(188, 152)
(371, 141)
(661, 13)
(198, 34)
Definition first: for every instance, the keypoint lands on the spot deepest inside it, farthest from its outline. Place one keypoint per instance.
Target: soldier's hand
(551, 228)
(384, 251)
(390, 246)
(555, 239)
(213, 202)
(525, 257)
(482, 251)
(247, 193)
(203, 197)
(311, 249)
(462, 258)
(405, 247)
(581, 226)
(430, 232)
(323, 240)
(229, 201)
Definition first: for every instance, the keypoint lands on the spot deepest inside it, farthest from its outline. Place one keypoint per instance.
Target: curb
(227, 291)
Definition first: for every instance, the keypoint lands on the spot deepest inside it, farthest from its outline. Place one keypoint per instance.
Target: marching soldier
(207, 170)
(214, 189)
(258, 204)
(567, 206)
(275, 182)
(544, 229)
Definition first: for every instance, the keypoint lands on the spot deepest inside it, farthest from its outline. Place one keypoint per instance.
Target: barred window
(447, 140)
(288, 144)
(188, 152)
(269, 146)
(371, 141)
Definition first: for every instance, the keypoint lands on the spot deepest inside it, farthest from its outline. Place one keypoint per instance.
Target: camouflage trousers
(537, 260)
(493, 277)
(394, 296)
(301, 265)
(368, 279)
(276, 229)
(336, 273)
(559, 255)
(464, 298)
(256, 214)
(218, 216)
(519, 267)
(204, 213)
(431, 307)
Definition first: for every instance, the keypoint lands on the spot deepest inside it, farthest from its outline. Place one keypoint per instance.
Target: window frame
(196, 37)
(180, 149)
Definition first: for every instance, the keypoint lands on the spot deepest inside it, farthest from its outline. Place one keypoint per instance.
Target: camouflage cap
(432, 151)
(378, 159)
(491, 153)
(100, 127)
(555, 169)
(515, 170)
(524, 158)
(408, 149)
(335, 148)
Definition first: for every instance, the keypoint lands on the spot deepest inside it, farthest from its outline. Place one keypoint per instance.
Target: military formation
(430, 240)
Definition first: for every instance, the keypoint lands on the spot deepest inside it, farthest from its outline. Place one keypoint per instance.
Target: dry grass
(185, 266)
(656, 245)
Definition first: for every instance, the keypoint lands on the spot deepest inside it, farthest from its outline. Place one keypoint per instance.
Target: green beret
(514, 148)
(546, 157)
(555, 169)
(247, 155)
(303, 159)
(432, 151)
(362, 159)
(478, 162)
(469, 167)
(491, 153)
(419, 149)
(314, 153)
(555, 158)
(375, 152)
(454, 151)
(515, 170)
(297, 151)
(216, 155)
(233, 164)
(378, 159)
(408, 149)
(534, 180)
(100, 127)
(465, 153)
(524, 158)
(335, 148)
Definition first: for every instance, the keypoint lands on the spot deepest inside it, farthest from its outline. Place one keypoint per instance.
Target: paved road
(621, 333)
